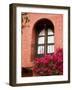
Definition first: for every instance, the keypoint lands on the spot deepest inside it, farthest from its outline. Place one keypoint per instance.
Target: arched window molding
(44, 37)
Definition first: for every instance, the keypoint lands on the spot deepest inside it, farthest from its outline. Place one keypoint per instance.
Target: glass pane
(50, 39)
(50, 32)
(50, 48)
(41, 40)
(40, 50)
(42, 32)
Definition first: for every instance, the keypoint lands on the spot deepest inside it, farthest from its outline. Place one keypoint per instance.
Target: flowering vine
(50, 64)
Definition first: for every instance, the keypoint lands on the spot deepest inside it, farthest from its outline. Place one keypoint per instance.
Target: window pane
(50, 48)
(41, 40)
(40, 50)
(50, 32)
(50, 39)
(42, 32)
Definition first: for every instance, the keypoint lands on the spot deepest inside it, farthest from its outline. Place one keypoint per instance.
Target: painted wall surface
(28, 35)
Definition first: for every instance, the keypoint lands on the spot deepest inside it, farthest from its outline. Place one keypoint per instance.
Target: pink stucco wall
(28, 35)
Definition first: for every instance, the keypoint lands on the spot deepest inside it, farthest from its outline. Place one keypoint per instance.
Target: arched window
(45, 37)
(45, 42)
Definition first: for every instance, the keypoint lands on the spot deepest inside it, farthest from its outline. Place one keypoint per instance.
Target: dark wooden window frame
(45, 43)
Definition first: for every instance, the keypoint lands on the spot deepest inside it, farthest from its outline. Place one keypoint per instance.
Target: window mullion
(45, 41)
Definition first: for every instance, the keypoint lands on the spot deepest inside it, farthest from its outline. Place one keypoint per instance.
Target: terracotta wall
(28, 35)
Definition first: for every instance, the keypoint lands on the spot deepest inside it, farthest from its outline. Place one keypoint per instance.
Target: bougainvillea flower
(50, 64)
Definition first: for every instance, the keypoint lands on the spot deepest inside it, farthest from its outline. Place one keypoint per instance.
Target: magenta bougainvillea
(50, 64)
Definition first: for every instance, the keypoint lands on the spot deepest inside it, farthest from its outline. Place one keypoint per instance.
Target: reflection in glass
(50, 32)
(50, 48)
(50, 39)
(41, 40)
(40, 50)
(42, 32)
